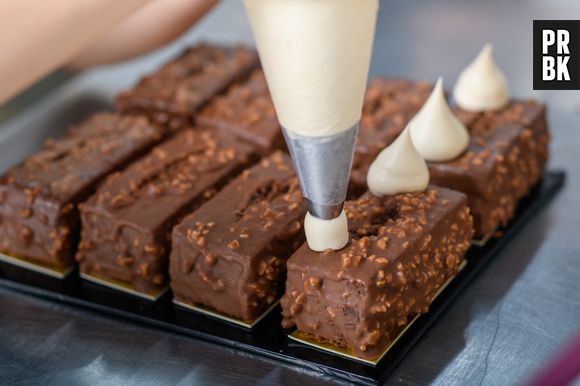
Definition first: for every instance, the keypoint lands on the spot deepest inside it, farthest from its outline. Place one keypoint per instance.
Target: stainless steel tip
(323, 167)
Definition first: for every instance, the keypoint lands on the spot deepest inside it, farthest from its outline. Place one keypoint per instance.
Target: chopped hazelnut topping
(382, 243)
(314, 282)
(234, 244)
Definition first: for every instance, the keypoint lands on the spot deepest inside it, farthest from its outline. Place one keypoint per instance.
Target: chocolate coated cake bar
(39, 219)
(506, 157)
(403, 249)
(246, 111)
(231, 253)
(127, 223)
(388, 106)
(174, 93)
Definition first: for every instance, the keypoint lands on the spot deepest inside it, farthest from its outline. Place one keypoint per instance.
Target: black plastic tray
(268, 338)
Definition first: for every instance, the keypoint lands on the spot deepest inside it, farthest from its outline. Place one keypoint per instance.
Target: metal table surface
(512, 318)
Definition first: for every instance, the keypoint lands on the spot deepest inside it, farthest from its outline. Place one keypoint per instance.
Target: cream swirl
(398, 168)
(326, 234)
(481, 85)
(436, 132)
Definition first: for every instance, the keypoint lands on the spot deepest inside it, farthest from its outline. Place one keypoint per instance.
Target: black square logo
(556, 54)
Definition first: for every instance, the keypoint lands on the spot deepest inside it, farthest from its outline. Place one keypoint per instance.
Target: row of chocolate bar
(188, 184)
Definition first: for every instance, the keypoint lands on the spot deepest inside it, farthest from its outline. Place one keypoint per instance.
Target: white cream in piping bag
(399, 168)
(316, 56)
(436, 132)
(326, 234)
(481, 85)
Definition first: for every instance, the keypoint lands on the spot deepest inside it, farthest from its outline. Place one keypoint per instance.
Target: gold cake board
(481, 242)
(345, 352)
(45, 269)
(249, 324)
(124, 287)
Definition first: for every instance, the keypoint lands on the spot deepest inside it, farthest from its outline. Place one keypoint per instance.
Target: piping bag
(316, 56)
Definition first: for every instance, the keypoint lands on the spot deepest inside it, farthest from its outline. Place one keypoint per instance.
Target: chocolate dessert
(127, 223)
(39, 219)
(246, 111)
(506, 157)
(403, 249)
(231, 253)
(174, 93)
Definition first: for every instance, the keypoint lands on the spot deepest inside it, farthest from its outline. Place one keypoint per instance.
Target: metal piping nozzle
(323, 167)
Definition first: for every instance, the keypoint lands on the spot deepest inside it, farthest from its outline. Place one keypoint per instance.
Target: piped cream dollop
(436, 132)
(326, 234)
(398, 168)
(481, 85)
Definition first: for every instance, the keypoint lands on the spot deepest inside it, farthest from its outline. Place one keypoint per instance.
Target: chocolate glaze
(38, 198)
(388, 106)
(127, 223)
(231, 253)
(403, 249)
(247, 111)
(172, 94)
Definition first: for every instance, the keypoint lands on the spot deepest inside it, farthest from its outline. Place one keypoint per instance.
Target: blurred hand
(150, 27)
(39, 36)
